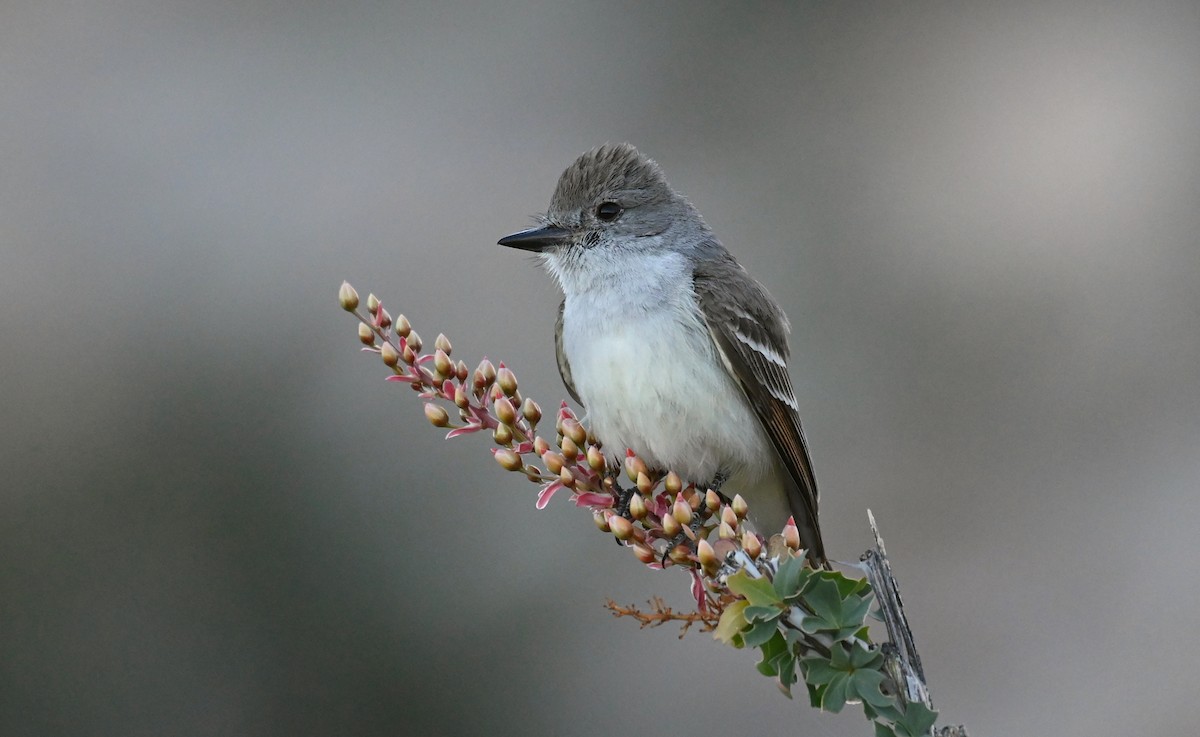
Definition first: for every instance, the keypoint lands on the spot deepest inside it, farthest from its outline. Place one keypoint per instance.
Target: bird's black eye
(608, 211)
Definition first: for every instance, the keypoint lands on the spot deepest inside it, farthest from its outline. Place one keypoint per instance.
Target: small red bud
(791, 536)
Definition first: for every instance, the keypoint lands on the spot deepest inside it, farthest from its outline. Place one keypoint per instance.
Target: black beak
(537, 239)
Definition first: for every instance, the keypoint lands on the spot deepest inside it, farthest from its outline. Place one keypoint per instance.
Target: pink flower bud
(573, 430)
(531, 411)
(507, 381)
(383, 318)
(791, 536)
(372, 303)
(347, 297)
(486, 371)
(442, 343)
(569, 448)
(706, 555)
(682, 511)
(461, 399)
(461, 372)
(682, 555)
(637, 506)
(389, 354)
(671, 526)
(414, 341)
(566, 477)
(739, 507)
(644, 485)
(673, 484)
(712, 500)
(540, 446)
(725, 532)
(729, 518)
(621, 528)
(442, 364)
(505, 412)
(502, 434)
(752, 545)
(366, 334)
(403, 328)
(601, 520)
(436, 415)
(554, 461)
(595, 459)
(509, 460)
(645, 553)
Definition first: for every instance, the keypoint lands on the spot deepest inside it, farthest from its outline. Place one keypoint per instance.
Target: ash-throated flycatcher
(676, 352)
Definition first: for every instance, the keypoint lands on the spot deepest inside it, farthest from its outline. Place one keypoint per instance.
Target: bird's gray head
(611, 199)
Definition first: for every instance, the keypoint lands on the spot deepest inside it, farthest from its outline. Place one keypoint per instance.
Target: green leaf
(787, 669)
(758, 591)
(815, 695)
(916, 720)
(861, 657)
(848, 587)
(771, 651)
(836, 693)
(791, 577)
(818, 671)
(759, 633)
(883, 730)
(866, 684)
(762, 613)
(732, 622)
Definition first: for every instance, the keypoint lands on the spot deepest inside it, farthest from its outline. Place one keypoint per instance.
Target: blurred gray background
(216, 518)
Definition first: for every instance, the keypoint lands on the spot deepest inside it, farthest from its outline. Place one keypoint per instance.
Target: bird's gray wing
(564, 366)
(749, 332)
